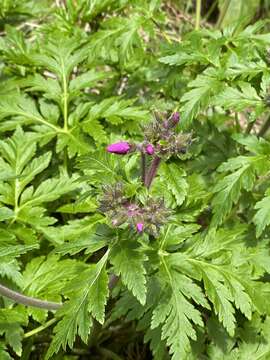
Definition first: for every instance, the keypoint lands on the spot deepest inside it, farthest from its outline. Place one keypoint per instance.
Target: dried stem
(265, 127)
(249, 127)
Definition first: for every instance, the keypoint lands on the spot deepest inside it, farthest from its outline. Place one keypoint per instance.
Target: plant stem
(210, 11)
(108, 354)
(65, 97)
(265, 127)
(113, 281)
(198, 14)
(166, 37)
(40, 328)
(237, 124)
(27, 300)
(222, 13)
(42, 304)
(249, 127)
(143, 166)
(152, 172)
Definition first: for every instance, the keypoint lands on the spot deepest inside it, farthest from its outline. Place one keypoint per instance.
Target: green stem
(40, 328)
(16, 195)
(223, 13)
(198, 14)
(210, 11)
(65, 97)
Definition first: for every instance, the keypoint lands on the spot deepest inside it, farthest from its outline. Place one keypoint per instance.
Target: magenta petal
(139, 227)
(121, 147)
(150, 149)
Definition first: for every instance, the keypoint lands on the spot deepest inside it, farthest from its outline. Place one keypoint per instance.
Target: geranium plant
(134, 183)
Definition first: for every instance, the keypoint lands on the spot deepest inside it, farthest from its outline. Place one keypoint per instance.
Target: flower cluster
(162, 135)
(148, 217)
(160, 142)
(160, 139)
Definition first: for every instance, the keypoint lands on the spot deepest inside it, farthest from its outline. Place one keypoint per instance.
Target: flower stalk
(152, 171)
(143, 166)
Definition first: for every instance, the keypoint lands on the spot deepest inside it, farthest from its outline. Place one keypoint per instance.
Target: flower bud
(166, 124)
(150, 149)
(175, 118)
(139, 227)
(121, 148)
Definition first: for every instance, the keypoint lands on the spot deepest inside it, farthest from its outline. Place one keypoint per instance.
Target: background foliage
(77, 75)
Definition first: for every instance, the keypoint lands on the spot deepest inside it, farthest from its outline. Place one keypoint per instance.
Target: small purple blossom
(166, 124)
(139, 227)
(121, 147)
(150, 149)
(175, 118)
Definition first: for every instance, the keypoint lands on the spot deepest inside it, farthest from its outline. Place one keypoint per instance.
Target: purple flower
(175, 118)
(150, 149)
(121, 147)
(139, 227)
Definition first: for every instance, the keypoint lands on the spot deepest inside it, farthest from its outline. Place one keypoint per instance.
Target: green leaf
(262, 217)
(48, 190)
(203, 87)
(87, 79)
(173, 175)
(89, 295)
(3, 353)
(232, 98)
(100, 165)
(96, 130)
(11, 321)
(16, 250)
(46, 278)
(75, 230)
(127, 261)
(50, 87)
(24, 110)
(175, 313)
(115, 110)
(11, 270)
(228, 189)
(237, 10)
